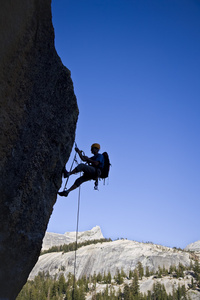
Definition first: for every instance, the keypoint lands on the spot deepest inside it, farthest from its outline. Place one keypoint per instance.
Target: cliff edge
(38, 115)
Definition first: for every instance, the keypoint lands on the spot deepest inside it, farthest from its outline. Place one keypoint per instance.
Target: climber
(91, 170)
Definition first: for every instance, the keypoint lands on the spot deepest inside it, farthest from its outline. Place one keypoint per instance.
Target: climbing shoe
(63, 193)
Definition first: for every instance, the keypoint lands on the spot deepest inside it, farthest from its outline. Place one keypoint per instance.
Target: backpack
(106, 167)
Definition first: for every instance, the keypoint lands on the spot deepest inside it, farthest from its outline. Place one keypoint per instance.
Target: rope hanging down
(74, 160)
(77, 223)
(76, 244)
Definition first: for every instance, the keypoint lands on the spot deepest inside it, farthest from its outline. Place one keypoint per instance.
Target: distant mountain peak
(55, 239)
(193, 246)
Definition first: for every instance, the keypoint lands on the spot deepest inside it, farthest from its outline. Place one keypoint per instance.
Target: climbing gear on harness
(96, 183)
(100, 173)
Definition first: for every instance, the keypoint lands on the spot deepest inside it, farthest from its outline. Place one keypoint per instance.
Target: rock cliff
(38, 115)
(146, 284)
(110, 256)
(193, 247)
(113, 256)
(54, 239)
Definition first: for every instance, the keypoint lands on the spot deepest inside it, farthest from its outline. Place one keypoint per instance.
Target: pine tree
(172, 269)
(99, 277)
(140, 270)
(54, 290)
(119, 295)
(159, 292)
(183, 293)
(99, 296)
(134, 288)
(62, 285)
(68, 295)
(75, 293)
(147, 273)
(82, 282)
(127, 293)
(130, 275)
(118, 278)
(123, 274)
(32, 294)
(196, 267)
(81, 293)
(180, 271)
(164, 271)
(42, 295)
(149, 295)
(94, 278)
(105, 294)
(104, 277)
(109, 277)
(159, 272)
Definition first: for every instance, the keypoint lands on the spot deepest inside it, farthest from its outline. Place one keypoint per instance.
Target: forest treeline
(73, 246)
(44, 287)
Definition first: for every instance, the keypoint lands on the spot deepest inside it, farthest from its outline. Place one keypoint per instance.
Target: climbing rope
(74, 160)
(76, 243)
(77, 224)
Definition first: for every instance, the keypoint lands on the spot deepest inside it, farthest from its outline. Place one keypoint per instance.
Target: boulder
(38, 115)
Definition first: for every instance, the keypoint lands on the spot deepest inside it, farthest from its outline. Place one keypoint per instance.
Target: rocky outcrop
(38, 115)
(54, 239)
(110, 256)
(193, 247)
(146, 284)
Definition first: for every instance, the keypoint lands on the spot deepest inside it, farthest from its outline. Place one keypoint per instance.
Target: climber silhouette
(91, 171)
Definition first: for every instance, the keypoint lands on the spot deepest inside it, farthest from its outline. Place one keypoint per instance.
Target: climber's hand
(84, 158)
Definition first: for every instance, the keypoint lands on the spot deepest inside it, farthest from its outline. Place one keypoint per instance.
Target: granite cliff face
(193, 247)
(110, 256)
(54, 239)
(38, 115)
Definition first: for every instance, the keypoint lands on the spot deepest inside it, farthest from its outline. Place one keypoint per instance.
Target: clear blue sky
(135, 65)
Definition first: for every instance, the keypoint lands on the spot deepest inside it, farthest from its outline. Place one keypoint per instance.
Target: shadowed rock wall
(38, 115)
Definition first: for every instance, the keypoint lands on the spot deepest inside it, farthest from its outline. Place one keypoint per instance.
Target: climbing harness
(96, 181)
